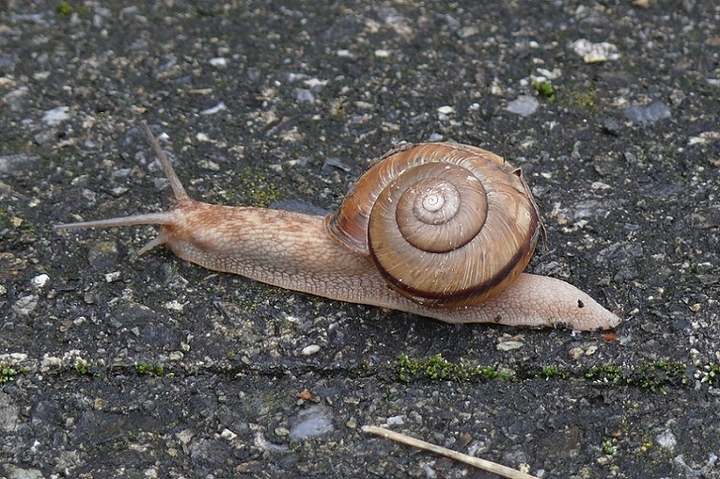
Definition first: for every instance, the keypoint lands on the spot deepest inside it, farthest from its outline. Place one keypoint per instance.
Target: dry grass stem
(489, 466)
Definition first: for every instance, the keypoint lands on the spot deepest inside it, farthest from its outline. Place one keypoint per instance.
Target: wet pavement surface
(114, 365)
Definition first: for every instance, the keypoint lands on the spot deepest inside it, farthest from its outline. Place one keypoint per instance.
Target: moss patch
(8, 373)
(545, 89)
(437, 368)
(149, 369)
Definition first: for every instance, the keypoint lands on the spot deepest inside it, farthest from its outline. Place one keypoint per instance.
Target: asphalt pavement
(126, 366)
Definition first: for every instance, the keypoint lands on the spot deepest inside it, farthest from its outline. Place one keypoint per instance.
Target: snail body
(358, 254)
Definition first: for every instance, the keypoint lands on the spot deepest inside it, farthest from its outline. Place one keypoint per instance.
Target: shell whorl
(446, 224)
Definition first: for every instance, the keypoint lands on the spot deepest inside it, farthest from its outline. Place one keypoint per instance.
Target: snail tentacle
(166, 218)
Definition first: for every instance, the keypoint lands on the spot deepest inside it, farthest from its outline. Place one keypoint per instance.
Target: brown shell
(446, 224)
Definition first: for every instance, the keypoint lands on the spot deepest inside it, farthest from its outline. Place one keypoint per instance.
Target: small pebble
(185, 436)
(395, 421)
(25, 304)
(40, 280)
(336, 162)
(215, 109)
(467, 32)
(176, 356)
(612, 127)
(315, 83)
(651, 113)
(112, 277)
(313, 421)
(19, 162)
(79, 320)
(509, 345)
(576, 353)
(15, 472)
(209, 165)
(666, 440)
(310, 350)
(173, 305)
(303, 95)
(595, 52)
(524, 105)
(56, 116)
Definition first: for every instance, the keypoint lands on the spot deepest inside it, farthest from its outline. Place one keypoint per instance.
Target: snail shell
(446, 225)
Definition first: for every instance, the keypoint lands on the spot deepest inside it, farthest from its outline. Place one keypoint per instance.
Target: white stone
(40, 280)
(56, 115)
(310, 350)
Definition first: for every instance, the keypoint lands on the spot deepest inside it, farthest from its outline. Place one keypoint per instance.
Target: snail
(441, 230)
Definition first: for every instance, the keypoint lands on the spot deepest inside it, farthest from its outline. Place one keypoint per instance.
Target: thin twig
(489, 466)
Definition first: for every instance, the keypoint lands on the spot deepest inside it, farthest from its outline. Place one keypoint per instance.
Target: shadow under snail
(441, 230)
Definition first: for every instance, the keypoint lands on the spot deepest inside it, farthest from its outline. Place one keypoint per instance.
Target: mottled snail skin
(330, 257)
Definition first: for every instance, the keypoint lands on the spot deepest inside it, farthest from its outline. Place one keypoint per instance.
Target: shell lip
(464, 297)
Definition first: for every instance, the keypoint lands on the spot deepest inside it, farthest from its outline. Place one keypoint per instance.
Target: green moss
(8, 373)
(81, 367)
(581, 96)
(88, 368)
(148, 369)
(545, 88)
(605, 374)
(609, 446)
(646, 446)
(64, 8)
(710, 373)
(120, 446)
(549, 372)
(653, 376)
(254, 189)
(437, 368)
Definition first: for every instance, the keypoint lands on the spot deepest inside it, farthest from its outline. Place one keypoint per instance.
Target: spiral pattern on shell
(446, 224)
